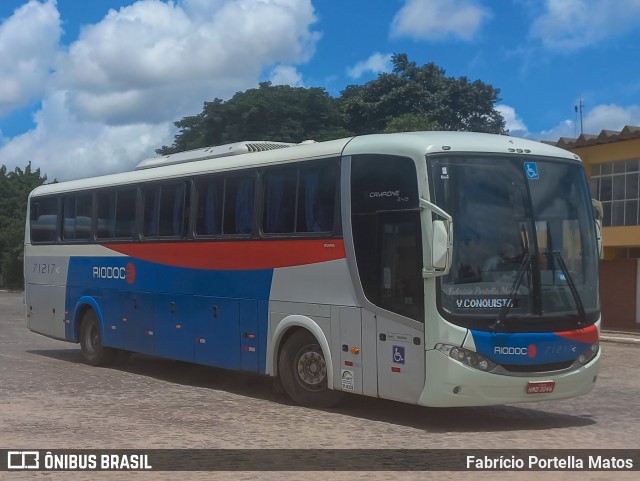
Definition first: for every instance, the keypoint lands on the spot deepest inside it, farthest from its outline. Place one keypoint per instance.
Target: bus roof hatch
(237, 148)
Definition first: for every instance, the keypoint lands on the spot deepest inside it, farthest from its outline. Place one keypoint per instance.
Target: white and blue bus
(434, 268)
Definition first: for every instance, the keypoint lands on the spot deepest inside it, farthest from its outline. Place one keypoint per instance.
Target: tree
(422, 93)
(410, 123)
(274, 112)
(14, 191)
(408, 98)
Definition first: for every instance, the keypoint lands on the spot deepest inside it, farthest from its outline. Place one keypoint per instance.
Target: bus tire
(93, 352)
(303, 372)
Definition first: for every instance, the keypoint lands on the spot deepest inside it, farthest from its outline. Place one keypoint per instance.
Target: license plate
(541, 387)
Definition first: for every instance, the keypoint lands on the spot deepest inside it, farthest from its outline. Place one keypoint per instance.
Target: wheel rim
(93, 338)
(311, 368)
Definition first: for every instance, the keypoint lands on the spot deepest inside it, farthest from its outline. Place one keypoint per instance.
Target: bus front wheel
(303, 372)
(93, 352)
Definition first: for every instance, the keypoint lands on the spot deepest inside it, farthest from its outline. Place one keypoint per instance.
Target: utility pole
(578, 108)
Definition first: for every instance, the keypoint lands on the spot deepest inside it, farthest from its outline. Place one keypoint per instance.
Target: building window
(617, 186)
(628, 253)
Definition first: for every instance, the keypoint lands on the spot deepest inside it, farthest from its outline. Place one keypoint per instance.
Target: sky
(89, 87)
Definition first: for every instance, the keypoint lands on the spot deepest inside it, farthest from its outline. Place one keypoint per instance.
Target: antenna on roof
(578, 108)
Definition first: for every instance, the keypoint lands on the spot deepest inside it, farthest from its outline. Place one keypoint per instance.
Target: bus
(433, 268)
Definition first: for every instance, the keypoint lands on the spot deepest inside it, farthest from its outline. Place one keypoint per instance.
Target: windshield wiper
(582, 317)
(524, 266)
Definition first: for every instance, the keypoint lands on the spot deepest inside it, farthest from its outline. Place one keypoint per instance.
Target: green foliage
(14, 191)
(270, 112)
(410, 123)
(408, 98)
(421, 92)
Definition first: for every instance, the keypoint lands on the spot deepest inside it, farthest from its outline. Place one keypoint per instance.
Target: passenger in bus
(470, 256)
(504, 262)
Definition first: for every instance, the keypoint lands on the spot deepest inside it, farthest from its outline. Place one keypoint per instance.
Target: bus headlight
(589, 353)
(467, 357)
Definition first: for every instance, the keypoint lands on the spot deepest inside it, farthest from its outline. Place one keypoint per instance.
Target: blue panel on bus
(249, 335)
(534, 347)
(176, 312)
(173, 330)
(217, 331)
(131, 274)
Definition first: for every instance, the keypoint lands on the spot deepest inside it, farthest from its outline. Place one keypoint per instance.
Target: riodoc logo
(127, 273)
(529, 351)
(131, 273)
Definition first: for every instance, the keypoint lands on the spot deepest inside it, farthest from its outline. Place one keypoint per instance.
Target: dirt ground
(49, 399)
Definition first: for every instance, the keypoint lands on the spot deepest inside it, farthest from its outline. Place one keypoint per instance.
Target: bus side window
(125, 222)
(43, 220)
(165, 210)
(76, 217)
(316, 198)
(239, 197)
(279, 201)
(300, 200)
(209, 206)
(116, 214)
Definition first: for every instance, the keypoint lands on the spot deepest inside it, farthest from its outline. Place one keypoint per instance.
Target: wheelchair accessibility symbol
(398, 354)
(531, 168)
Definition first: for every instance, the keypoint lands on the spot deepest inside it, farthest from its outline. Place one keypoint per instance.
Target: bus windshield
(524, 243)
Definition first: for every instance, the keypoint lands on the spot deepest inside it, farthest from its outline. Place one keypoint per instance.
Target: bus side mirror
(598, 214)
(442, 246)
(441, 240)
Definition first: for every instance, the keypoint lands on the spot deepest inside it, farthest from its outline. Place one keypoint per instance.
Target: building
(612, 162)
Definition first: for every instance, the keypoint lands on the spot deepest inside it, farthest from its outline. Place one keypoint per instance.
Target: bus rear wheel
(93, 352)
(303, 372)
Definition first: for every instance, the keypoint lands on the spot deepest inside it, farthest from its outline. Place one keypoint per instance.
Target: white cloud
(513, 122)
(65, 148)
(601, 117)
(286, 75)
(119, 87)
(28, 43)
(572, 24)
(376, 63)
(611, 117)
(439, 19)
(153, 59)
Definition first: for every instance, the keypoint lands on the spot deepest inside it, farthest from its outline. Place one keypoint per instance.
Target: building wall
(618, 290)
(619, 271)
(601, 153)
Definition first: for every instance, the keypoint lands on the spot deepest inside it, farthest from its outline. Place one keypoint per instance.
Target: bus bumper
(450, 383)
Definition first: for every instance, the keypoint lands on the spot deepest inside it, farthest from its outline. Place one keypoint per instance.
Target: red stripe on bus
(239, 255)
(587, 335)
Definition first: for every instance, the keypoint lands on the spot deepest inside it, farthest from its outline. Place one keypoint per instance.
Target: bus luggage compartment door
(217, 331)
(134, 321)
(174, 327)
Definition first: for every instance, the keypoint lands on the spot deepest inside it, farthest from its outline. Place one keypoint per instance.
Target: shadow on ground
(502, 418)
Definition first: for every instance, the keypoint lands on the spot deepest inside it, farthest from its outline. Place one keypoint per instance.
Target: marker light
(467, 357)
